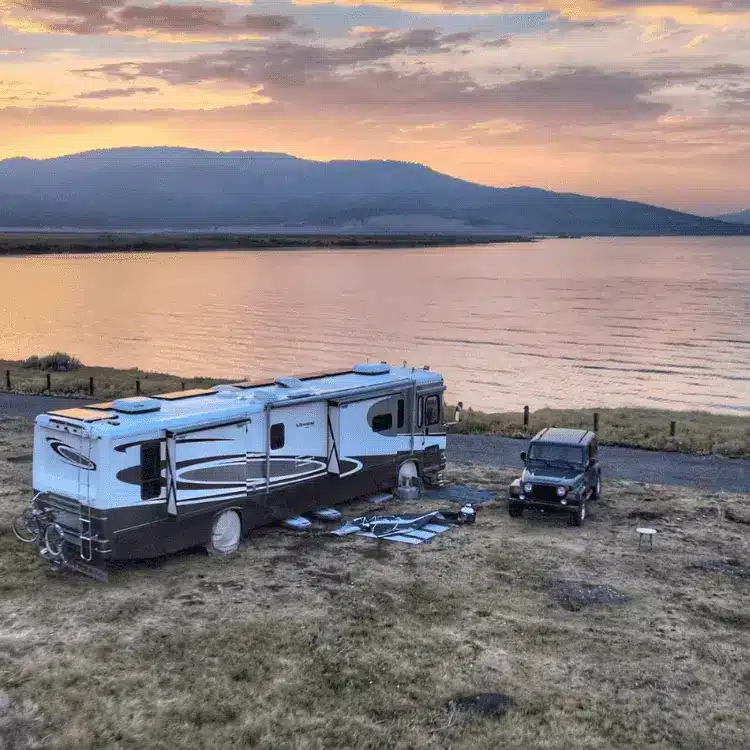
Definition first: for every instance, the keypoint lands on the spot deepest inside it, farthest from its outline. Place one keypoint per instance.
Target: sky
(641, 100)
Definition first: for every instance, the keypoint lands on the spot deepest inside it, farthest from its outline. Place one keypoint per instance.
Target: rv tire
(226, 532)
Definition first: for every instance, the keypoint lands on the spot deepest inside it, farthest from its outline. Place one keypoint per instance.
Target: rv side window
(400, 417)
(150, 470)
(432, 410)
(277, 436)
(382, 422)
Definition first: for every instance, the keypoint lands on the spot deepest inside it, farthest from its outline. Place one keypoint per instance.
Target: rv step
(298, 523)
(437, 480)
(381, 497)
(327, 514)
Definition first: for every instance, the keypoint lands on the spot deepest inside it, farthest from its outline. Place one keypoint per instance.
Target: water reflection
(605, 322)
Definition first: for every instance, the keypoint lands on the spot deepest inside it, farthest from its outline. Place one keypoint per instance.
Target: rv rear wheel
(225, 533)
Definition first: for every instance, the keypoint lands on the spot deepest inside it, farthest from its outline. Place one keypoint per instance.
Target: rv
(146, 476)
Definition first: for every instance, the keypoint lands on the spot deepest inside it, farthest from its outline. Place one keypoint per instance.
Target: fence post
(137, 386)
(672, 429)
(49, 382)
(596, 421)
(91, 385)
(7, 379)
(525, 416)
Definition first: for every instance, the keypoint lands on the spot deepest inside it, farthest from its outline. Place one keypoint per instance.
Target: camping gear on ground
(409, 528)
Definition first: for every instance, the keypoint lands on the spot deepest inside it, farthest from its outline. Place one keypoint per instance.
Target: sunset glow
(641, 100)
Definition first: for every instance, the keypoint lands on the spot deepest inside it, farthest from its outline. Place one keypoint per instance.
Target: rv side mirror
(523, 455)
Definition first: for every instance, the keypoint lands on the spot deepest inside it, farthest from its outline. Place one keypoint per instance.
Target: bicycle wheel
(25, 527)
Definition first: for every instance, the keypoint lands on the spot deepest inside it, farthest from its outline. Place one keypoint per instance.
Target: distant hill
(191, 189)
(739, 217)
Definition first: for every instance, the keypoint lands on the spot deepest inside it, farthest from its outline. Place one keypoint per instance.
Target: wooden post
(672, 429)
(49, 382)
(525, 416)
(91, 385)
(137, 386)
(7, 379)
(596, 421)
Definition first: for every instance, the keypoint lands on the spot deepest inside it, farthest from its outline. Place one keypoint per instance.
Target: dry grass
(108, 381)
(697, 432)
(308, 641)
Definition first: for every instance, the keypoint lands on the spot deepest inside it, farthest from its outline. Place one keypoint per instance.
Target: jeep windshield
(549, 453)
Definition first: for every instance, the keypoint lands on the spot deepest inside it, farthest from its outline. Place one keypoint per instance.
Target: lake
(656, 322)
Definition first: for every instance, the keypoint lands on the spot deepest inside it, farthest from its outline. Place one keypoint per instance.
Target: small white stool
(648, 534)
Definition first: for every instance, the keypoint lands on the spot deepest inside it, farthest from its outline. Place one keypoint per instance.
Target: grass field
(21, 243)
(308, 641)
(696, 432)
(108, 381)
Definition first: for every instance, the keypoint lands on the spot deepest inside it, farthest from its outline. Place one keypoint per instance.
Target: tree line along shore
(698, 432)
(12, 243)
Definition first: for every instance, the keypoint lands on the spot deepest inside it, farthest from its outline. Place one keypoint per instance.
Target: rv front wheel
(225, 533)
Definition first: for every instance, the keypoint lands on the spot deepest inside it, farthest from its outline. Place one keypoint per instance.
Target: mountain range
(739, 217)
(164, 188)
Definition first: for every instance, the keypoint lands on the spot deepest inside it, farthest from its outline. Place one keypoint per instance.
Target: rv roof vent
(289, 382)
(136, 405)
(372, 369)
(265, 395)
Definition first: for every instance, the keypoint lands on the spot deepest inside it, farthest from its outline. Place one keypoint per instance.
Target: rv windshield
(551, 453)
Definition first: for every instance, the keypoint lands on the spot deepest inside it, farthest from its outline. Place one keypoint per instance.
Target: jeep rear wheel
(515, 510)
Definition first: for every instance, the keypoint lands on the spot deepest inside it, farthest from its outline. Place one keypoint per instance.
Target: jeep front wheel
(515, 510)
(578, 516)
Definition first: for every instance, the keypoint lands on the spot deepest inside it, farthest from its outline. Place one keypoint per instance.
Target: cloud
(711, 12)
(113, 93)
(98, 17)
(285, 64)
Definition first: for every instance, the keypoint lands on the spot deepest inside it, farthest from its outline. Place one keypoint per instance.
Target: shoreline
(696, 432)
(18, 244)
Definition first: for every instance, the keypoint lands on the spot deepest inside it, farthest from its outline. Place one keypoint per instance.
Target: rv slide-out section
(155, 472)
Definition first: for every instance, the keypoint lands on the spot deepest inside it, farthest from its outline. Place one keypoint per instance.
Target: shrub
(57, 362)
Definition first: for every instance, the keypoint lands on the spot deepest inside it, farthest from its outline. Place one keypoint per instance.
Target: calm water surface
(594, 322)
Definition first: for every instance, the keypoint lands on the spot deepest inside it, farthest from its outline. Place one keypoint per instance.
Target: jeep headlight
(527, 488)
(561, 491)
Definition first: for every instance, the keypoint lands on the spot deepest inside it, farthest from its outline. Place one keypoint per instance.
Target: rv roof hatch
(372, 369)
(136, 405)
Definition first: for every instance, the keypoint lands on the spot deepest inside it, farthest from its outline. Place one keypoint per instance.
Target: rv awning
(83, 415)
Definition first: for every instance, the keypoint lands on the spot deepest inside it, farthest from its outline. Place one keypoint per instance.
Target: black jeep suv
(561, 473)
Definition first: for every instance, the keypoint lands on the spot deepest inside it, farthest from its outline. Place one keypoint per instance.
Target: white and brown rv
(145, 476)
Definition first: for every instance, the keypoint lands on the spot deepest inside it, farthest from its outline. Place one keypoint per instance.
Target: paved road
(706, 472)
(16, 405)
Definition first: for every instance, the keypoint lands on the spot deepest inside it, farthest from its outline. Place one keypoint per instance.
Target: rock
(4, 704)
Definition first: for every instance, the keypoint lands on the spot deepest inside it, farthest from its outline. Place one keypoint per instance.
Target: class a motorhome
(146, 476)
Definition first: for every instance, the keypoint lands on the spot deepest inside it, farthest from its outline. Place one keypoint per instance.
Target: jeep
(561, 473)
